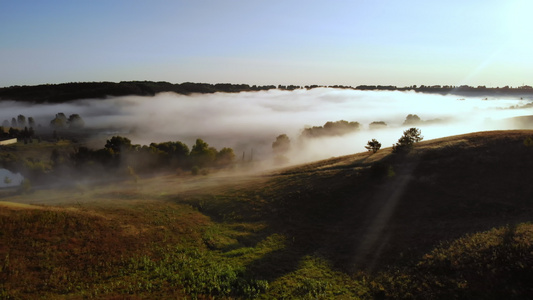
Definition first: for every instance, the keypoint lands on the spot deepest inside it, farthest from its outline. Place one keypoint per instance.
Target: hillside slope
(445, 220)
(371, 210)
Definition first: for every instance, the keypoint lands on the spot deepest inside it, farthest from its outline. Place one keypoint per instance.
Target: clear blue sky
(267, 42)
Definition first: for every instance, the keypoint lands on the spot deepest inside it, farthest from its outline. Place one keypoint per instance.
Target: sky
(354, 42)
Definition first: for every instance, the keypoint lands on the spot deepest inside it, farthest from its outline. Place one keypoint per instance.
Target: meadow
(449, 219)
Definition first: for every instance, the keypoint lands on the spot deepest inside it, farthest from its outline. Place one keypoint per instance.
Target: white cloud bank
(254, 119)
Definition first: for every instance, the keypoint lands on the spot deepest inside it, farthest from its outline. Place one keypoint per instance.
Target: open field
(447, 220)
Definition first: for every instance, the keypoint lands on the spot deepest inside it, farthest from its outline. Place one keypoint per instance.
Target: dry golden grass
(330, 229)
(17, 206)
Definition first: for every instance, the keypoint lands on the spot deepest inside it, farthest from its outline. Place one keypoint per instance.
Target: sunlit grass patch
(134, 247)
(199, 273)
(64, 246)
(73, 249)
(245, 254)
(292, 234)
(315, 279)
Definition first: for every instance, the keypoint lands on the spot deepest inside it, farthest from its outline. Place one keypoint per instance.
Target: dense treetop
(331, 129)
(57, 93)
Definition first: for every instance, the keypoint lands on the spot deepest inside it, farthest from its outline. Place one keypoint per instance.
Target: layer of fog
(249, 122)
(9, 179)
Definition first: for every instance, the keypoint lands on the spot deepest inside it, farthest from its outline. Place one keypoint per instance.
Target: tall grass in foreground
(57, 253)
(95, 253)
(496, 264)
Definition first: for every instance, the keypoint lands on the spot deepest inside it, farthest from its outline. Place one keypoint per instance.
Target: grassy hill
(446, 220)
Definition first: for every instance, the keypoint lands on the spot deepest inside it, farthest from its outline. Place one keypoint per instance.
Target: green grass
(450, 223)
(495, 264)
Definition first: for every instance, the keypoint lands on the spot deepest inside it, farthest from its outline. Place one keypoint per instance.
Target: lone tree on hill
(281, 145)
(202, 154)
(60, 121)
(373, 145)
(225, 157)
(21, 120)
(75, 122)
(407, 140)
(118, 144)
(412, 120)
(31, 122)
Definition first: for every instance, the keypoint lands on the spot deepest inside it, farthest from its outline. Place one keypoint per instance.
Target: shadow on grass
(358, 220)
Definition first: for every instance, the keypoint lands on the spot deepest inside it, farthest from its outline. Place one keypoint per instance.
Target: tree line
(64, 92)
(330, 128)
(25, 129)
(19, 122)
(58, 93)
(119, 157)
(172, 155)
(19, 127)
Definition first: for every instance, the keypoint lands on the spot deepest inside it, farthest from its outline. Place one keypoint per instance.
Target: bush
(412, 120)
(373, 145)
(381, 170)
(377, 125)
(195, 170)
(407, 140)
(202, 154)
(336, 128)
(528, 142)
(281, 145)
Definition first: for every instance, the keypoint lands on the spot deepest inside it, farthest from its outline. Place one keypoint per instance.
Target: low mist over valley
(281, 192)
(251, 121)
(374, 150)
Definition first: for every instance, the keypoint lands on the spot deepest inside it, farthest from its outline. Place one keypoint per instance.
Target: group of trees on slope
(25, 129)
(19, 127)
(120, 156)
(282, 144)
(405, 143)
(119, 151)
(331, 129)
(61, 121)
(342, 127)
(74, 121)
(19, 122)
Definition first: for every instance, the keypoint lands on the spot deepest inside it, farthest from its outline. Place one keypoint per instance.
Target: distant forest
(58, 93)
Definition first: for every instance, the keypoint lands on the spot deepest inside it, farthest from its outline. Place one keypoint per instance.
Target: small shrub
(412, 120)
(377, 125)
(312, 289)
(381, 170)
(528, 142)
(373, 146)
(390, 172)
(407, 140)
(195, 170)
(281, 145)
